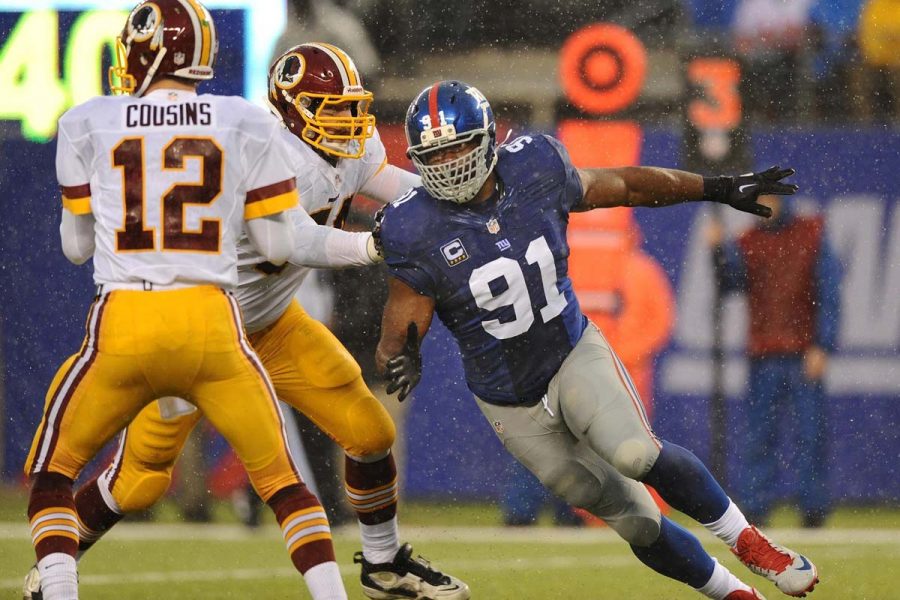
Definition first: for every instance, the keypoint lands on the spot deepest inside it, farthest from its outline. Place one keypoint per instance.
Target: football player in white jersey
(157, 187)
(336, 153)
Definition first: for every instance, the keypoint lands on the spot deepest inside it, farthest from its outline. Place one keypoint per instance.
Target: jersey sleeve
(573, 191)
(399, 246)
(271, 187)
(374, 160)
(73, 161)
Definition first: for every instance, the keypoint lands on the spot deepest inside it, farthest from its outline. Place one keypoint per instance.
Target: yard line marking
(350, 571)
(462, 535)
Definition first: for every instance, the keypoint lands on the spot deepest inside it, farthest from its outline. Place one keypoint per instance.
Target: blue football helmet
(445, 115)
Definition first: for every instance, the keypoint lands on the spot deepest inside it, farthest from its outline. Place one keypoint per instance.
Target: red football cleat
(791, 573)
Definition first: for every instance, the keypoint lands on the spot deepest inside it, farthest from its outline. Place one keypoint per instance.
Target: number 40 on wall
(32, 89)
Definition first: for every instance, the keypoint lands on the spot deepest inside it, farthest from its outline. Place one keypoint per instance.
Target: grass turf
(858, 557)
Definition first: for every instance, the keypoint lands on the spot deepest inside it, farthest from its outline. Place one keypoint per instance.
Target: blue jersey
(498, 270)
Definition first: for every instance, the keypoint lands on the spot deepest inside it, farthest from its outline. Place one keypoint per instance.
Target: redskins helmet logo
(289, 71)
(144, 22)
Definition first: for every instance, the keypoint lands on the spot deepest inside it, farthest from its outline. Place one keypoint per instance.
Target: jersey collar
(170, 94)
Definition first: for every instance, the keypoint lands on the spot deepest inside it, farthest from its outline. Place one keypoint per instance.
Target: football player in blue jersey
(483, 244)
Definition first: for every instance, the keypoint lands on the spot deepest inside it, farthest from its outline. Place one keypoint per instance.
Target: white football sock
(722, 583)
(324, 582)
(380, 542)
(59, 577)
(730, 525)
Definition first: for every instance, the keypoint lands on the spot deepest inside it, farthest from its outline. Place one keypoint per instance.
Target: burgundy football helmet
(164, 37)
(313, 87)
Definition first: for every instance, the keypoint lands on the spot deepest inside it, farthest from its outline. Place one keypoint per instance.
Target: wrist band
(717, 189)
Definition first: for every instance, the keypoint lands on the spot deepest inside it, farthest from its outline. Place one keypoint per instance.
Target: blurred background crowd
(805, 60)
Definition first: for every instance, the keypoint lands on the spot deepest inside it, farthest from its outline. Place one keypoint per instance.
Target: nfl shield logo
(493, 226)
(178, 58)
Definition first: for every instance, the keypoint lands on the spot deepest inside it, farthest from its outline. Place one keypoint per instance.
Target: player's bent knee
(140, 492)
(577, 486)
(635, 457)
(370, 429)
(638, 530)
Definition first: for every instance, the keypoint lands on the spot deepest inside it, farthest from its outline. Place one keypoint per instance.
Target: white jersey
(169, 179)
(326, 191)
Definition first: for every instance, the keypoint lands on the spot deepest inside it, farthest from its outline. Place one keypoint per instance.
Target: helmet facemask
(325, 128)
(459, 179)
(120, 80)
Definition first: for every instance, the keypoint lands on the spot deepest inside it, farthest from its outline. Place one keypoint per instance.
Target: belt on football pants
(144, 285)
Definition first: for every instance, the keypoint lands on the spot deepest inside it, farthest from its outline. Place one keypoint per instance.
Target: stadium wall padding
(451, 451)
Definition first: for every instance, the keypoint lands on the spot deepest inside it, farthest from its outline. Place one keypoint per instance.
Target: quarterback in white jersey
(168, 177)
(336, 153)
(158, 187)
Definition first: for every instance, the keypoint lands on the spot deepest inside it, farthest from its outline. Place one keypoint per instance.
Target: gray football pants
(588, 440)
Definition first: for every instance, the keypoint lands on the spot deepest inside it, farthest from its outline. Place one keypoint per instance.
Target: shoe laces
(404, 563)
(421, 567)
(756, 550)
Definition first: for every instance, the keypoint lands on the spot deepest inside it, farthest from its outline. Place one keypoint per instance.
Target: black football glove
(404, 371)
(742, 191)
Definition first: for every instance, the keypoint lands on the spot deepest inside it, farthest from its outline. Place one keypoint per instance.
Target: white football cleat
(792, 573)
(31, 590)
(408, 578)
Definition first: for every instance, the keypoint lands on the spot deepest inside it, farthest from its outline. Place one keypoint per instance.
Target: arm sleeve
(272, 236)
(270, 183)
(400, 256)
(76, 232)
(829, 272)
(573, 191)
(73, 167)
(389, 183)
(326, 247)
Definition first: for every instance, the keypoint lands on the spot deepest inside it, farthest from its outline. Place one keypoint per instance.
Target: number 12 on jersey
(135, 236)
(516, 294)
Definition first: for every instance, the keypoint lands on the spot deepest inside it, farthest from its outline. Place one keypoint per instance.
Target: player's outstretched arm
(407, 317)
(272, 236)
(320, 246)
(390, 183)
(655, 187)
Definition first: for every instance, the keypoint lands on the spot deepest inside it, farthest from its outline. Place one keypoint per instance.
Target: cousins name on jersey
(185, 114)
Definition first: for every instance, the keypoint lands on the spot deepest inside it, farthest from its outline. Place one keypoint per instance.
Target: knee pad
(638, 530)
(369, 430)
(634, 457)
(629, 509)
(140, 491)
(145, 474)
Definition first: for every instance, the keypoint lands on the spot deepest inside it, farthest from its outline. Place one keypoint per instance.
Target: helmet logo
(144, 22)
(289, 71)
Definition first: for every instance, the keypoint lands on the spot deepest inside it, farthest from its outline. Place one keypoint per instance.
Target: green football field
(858, 556)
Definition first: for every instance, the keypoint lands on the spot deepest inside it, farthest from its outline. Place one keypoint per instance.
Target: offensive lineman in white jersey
(336, 153)
(157, 187)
